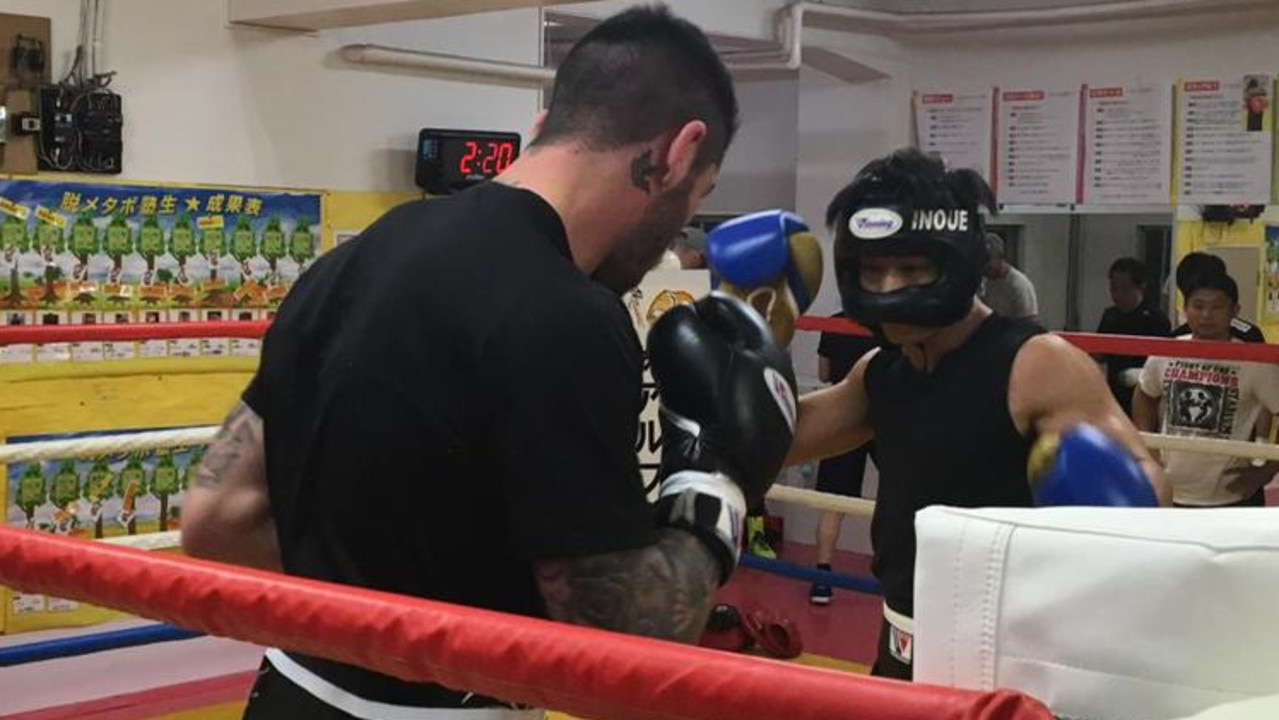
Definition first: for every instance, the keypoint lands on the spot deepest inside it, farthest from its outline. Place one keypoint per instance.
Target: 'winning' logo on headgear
(874, 223)
(940, 221)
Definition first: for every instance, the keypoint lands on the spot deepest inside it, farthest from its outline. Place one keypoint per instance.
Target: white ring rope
(1235, 448)
(99, 445)
(167, 540)
(857, 507)
(132, 442)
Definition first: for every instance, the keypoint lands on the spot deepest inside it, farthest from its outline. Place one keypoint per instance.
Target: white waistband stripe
(901, 622)
(331, 694)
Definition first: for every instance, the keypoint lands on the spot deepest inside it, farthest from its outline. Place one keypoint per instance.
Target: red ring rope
(1102, 344)
(1088, 342)
(578, 670)
(46, 334)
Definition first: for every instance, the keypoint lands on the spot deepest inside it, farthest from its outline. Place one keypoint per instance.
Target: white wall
(205, 102)
(760, 169)
(1234, 42)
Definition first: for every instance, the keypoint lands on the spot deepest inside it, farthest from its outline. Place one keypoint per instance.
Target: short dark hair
(1195, 265)
(1132, 267)
(910, 176)
(995, 246)
(1214, 281)
(636, 75)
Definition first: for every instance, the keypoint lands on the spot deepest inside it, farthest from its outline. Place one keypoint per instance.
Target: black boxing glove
(727, 411)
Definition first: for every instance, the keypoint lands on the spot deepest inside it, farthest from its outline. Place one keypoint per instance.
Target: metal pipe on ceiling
(516, 73)
(916, 23)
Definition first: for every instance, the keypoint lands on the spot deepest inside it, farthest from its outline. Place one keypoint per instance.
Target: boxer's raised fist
(727, 394)
(1084, 466)
(770, 260)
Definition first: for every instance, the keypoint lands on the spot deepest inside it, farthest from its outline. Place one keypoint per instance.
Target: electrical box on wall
(24, 69)
(100, 122)
(57, 130)
(73, 125)
(80, 130)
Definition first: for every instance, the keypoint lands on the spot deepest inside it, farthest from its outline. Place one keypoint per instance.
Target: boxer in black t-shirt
(447, 405)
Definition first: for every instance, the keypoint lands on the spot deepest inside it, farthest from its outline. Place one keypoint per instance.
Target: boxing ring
(577, 670)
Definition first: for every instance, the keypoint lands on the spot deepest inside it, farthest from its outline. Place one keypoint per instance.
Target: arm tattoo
(642, 168)
(236, 437)
(662, 591)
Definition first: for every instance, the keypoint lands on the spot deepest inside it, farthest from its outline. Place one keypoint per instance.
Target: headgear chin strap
(953, 238)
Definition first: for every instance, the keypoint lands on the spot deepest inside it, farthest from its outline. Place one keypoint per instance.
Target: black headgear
(909, 204)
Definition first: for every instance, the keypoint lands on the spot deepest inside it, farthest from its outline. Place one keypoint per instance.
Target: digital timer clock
(451, 160)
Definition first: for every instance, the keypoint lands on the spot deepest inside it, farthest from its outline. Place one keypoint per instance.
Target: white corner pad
(1101, 613)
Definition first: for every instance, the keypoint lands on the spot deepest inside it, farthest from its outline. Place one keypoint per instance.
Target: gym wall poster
(87, 253)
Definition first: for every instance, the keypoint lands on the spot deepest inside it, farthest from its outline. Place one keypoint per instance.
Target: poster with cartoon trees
(133, 253)
(120, 494)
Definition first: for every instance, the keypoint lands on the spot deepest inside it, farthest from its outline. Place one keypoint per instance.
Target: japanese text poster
(92, 254)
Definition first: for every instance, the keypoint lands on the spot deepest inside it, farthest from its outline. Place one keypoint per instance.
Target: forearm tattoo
(662, 591)
(236, 438)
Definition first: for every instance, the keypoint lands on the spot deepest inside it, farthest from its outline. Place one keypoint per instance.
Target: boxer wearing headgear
(958, 396)
(949, 239)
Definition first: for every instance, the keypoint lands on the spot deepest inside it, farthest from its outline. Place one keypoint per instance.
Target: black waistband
(383, 688)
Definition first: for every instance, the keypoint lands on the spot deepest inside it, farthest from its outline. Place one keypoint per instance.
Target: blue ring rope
(813, 575)
(86, 644)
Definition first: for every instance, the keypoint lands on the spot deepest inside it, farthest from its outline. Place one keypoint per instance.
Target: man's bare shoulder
(1050, 368)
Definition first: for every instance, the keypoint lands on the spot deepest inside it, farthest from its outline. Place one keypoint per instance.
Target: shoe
(819, 594)
(760, 548)
(756, 540)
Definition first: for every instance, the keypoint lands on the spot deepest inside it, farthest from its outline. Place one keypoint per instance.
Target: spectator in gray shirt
(690, 246)
(1006, 290)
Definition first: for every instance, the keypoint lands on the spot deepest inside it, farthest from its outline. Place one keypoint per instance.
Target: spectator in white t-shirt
(1215, 399)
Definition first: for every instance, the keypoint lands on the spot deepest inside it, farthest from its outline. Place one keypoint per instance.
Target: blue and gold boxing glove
(770, 260)
(1085, 466)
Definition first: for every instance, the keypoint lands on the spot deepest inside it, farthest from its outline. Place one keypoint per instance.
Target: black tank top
(943, 438)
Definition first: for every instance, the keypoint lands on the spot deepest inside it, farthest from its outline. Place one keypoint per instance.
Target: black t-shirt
(446, 399)
(943, 438)
(1144, 321)
(1240, 329)
(843, 351)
